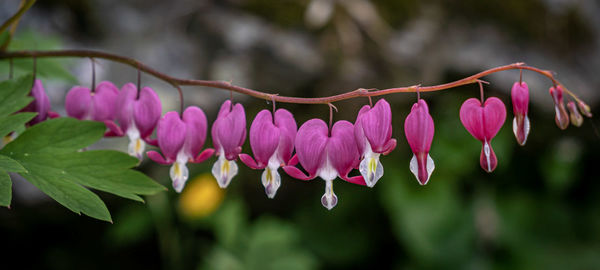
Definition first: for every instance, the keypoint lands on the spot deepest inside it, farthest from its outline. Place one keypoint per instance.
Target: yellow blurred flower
(201, 197)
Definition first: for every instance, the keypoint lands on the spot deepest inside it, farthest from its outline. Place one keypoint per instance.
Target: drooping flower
(419, 130)
(180, 141)
(373, 134)
(326, 155)
(137, 116)
(40, 104)
(575, 116)
(520, 102)
(272, 141)
(484, 122)
(561, 118)
(100, 105)
(228, 134)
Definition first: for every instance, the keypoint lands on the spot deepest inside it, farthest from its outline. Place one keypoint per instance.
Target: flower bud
(576, 118)
(584, 108)
(520, 101)
(561, 118)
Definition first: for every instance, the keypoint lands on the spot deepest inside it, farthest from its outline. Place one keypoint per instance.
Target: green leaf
(3, 37)
(49, 151)
(10, 165)
(5, 189)
(13, 94)
(55, 136)
(14, 122)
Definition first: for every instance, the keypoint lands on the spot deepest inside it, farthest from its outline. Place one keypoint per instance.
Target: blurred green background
(540, 209)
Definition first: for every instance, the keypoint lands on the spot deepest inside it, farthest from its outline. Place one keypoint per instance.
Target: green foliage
(48, 155)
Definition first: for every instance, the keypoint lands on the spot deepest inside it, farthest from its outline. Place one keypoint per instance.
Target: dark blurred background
(540, 209)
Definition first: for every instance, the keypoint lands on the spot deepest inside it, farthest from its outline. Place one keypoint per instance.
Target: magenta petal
(156, 157)
(40, 103)
(104, 102)
(249, 161)
(229, 130)
(359, 134)
(204, 155)
(113, 129)
(297, 173)
(483, 122)
(377, 125)
(293, 161)
(359, 180)
(390, 146)
(286, 123)
(419, 128)
(341, 148)
(196, 126)
(146, 111)
(124, 108)
(78, 102)
(520, 98)
(171, 134)
(311, 141)
(264, 137)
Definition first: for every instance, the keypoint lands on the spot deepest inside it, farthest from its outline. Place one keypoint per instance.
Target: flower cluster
(321, 150)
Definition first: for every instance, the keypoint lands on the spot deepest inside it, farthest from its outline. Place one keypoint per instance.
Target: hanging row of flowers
(326, 151)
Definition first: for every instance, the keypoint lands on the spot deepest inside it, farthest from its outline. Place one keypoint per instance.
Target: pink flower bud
(575, 116)
(484, 122)
(584, 108)
(419, 130)
(520, 102)
(561, 118)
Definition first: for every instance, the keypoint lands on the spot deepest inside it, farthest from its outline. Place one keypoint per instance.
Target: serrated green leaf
(103, 170)
(56, 136)
(14, 122)
(5, 189)
(10, 165)
(55, 183)
(13, 94)
(50, 153)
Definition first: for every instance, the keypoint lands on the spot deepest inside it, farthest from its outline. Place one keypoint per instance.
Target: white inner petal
(414, 168)
(224, 170)
(329, 199)
(486, 151)
(327, 172)
(136, 144)
(515, 127)
(271, 180)
(526, 128)
(179, 175)
(370, 168)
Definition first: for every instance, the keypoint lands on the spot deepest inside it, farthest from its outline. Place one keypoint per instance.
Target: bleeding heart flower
(40, 104)
(228, 134)
(520, 102)
(575, 116)
(326, 155)
(272, 141)
(137, 116)
(180, 141)
(419, 130)
(484, 122)
(561, 118)
(373, 134)
(100, 105)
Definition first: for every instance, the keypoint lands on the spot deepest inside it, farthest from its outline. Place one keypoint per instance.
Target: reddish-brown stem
(361, 92)
(93, 75)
